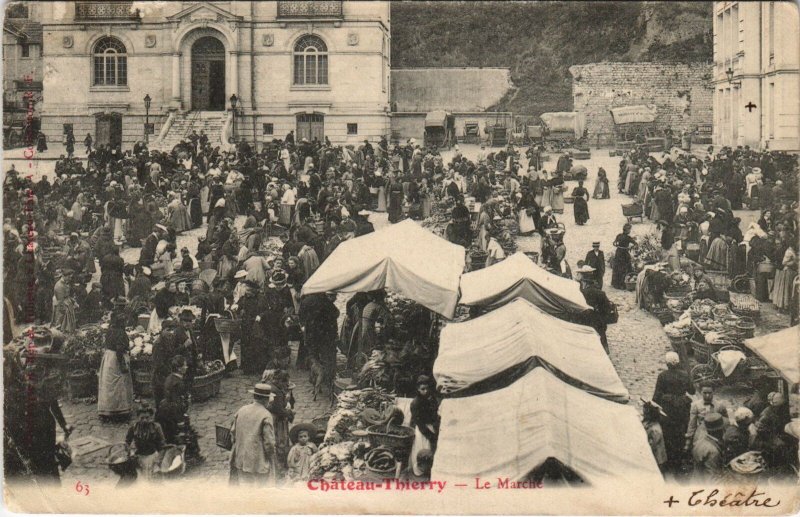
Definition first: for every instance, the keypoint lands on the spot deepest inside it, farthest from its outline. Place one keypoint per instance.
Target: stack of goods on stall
(363, 440)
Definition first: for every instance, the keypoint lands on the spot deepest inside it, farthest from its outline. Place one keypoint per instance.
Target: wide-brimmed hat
(596, 244)
(310, 428)
(261, 389)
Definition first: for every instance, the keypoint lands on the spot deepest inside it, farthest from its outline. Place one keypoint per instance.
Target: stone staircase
(212, 122)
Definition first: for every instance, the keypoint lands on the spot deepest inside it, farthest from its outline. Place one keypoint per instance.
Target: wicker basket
(747, 327)
(399, 443)
(227, 325)
(630, 282)
(663, 314)
(568, 200)
(207, 386)
(143, 382)
(82, 384)
(701, 351)
(224, 437)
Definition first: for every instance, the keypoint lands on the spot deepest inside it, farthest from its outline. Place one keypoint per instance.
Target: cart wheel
(703, 373)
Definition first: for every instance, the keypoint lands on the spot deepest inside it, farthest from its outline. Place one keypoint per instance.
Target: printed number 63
(81, 488)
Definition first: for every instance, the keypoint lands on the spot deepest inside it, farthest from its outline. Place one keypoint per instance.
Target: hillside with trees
(539, 41)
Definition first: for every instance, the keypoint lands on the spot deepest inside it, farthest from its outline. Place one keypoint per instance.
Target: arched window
(310, 61)
(110, 63)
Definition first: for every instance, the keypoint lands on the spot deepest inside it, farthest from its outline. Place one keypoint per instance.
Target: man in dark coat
(598, 301)
(319, 318)
(596, 259)
(111, 277)
(148, 253)
(672, 386)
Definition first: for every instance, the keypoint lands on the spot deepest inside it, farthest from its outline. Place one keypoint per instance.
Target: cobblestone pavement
(637, 341)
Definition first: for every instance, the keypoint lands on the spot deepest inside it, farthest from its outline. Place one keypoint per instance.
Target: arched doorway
(108, 129)
(208, 74)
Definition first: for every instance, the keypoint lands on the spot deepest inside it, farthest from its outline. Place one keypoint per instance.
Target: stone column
(176, 80)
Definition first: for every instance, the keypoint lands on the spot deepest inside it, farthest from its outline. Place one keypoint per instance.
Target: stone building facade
(681, 94)
(756, 75)
(22, 61)
(319, 68)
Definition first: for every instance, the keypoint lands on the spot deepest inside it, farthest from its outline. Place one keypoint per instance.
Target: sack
(63, 454)
(611, 315)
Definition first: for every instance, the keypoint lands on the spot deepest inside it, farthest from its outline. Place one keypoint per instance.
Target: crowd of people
(298, 201)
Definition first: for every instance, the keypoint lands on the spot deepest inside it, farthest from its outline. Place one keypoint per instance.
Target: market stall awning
(780, 350)
(436, 118)
(565, 121)
(509, 432)
(403, 257)
(634, 114)
(491, 346)
(519, 277)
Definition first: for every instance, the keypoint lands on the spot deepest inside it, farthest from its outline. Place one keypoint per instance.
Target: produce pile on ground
(334, 460)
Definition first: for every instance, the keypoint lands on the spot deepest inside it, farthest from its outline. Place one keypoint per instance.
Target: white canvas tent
(780, 350)
(565, 121)
(403, 257)
(518, 276)
(478, 349)
(509, 432)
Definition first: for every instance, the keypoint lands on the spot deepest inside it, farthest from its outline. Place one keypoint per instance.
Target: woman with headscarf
(115, 386)
(528, 212)
(177, 214)
(557, 192)
(782, 288)
(601, 190)
(194, 207)
(622, 258)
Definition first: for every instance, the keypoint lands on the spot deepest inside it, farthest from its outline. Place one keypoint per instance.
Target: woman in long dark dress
(581, 203)
(395, 208)
(622, 258)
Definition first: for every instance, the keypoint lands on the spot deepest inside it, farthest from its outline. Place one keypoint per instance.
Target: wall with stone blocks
(682, 93)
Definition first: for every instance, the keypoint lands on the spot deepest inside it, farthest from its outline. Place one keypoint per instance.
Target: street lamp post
(234, 101)
(729, 73)
(147, 118)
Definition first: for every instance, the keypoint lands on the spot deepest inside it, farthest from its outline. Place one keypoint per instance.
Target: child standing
(299, 459)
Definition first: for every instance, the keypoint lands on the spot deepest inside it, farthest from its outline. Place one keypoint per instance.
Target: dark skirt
(622, 266)
(581, 210)
(195, 213)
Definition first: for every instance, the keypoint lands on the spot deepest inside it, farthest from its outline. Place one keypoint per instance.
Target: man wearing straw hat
(253, 436)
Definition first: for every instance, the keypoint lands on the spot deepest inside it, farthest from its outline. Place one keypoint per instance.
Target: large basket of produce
(701, 351)
(745, 305)
(747, 326)
(381, 462)
(719, 279)
(477, 259)
(663, 314)
(227, 325)
(207, 385)
(82, 384)
(398, 438)
(630, 282)
(677, 292)
(170, 462)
